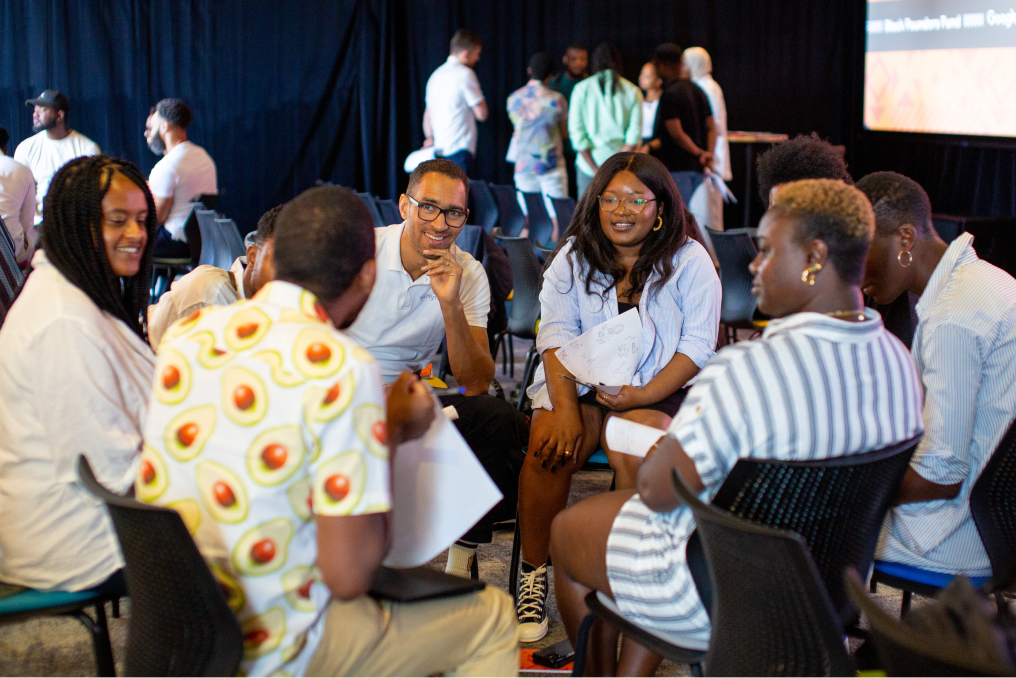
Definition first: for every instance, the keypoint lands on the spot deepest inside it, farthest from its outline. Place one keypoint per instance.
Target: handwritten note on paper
(439, 491)
(630, 437)
(607, 354)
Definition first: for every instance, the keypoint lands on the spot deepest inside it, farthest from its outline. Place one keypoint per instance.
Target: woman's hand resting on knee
(559, 441)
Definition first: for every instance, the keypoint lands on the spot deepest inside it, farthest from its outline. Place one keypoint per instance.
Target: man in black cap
(54, 144)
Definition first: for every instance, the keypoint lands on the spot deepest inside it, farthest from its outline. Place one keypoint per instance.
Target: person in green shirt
(604, 115)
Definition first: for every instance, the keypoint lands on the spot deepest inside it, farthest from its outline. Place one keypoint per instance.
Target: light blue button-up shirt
(683, 317)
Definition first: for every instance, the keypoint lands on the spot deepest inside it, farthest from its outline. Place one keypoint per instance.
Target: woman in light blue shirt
(628, 246)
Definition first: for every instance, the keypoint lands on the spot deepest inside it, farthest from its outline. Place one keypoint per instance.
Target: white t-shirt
(401, 324)
(452, 91)
(184, 173)
(44, 156)
(649, 117)
(73, 380)
(17, 206)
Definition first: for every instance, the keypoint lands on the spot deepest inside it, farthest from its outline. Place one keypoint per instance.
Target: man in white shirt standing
(455, 102)
(185, 172)
(17, 202)
(53, 145)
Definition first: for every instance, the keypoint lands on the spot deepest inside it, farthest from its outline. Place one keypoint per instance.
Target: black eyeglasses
(610, 203)
(453, 217)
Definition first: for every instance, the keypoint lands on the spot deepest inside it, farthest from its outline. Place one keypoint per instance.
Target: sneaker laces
(532, 595)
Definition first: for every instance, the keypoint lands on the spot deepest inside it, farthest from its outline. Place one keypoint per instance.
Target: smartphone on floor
(555, 656)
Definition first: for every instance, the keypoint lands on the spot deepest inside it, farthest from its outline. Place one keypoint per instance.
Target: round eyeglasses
(453, 217)
(610, 203)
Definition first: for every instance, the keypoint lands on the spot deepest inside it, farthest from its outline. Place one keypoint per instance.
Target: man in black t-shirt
(684, 128)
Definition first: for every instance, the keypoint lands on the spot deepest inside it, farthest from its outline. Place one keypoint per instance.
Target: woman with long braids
(627, 247)
(75, 377)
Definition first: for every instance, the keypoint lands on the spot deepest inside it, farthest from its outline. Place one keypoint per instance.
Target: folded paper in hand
(607, 354)
(630, 437)
(439, 491)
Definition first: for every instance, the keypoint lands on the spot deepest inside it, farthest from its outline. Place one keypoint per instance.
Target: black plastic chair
(368, 200)
(735, 250)
(527, 279)
(993, 508)
(221, 243)
(771, 613)
(389, 210)
(180, 624)
(836, 505)
(510, 220)
(564, 209)
(541, 227)
(903, 651)
(482, 206)
(11, 279)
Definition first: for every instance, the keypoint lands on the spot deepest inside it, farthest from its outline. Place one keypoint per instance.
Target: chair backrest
(11, 279)
(368, 200)
(482, 206)
(468, 240)
(210, 201)
(564, 210)
(527, 279)
(219, 246)
(993, 507)
(904, 651)
(771, 615)
(735, 250)
(837, 505)
(389, 210)
(180, 623)
(510, 220)
(541, 227)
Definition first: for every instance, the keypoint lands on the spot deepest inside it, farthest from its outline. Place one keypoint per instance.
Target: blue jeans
(687, 182)
(463, 159)
(168, 248)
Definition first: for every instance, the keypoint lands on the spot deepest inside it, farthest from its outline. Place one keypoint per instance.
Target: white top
(44, 156)
(452, 91)
(17, 206)
(247, 476)
(683, 317)
(721, 152)
(402, 324)
(204, 286)
(813, 387)
(184, 173)
(73, 380)
(965, 348)
(649, 117)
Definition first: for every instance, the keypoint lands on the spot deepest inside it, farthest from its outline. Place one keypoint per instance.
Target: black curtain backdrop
(287, 93)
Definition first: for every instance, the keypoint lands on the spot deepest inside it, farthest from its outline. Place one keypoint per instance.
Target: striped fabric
(965, 348)
(813, 387)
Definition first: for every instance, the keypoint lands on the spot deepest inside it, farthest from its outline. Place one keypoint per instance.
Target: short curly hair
(897, 200)
(266, 225)
(175, 112)
(803, 157)
(837, 214)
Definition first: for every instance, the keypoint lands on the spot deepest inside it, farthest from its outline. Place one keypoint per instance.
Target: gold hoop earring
(659, 223)
(808, 275)
(910, 259)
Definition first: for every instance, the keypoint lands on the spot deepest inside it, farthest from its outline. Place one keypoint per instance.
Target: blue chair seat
(32, 600)
(927, 577)
(598, 457)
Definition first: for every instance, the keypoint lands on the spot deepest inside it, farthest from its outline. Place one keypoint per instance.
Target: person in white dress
(699, 67)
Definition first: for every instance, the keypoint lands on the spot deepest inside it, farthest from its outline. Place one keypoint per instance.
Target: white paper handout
(607, 354)
(439, 491)
(631, 437)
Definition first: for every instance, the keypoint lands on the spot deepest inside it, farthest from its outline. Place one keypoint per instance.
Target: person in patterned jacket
(269, 431)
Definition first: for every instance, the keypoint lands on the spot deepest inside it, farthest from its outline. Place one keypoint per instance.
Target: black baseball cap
(51, 97)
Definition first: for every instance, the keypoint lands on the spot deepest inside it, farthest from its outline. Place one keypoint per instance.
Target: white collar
(960, 252)
(237, 270)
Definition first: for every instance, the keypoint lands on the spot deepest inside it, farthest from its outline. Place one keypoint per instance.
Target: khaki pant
(472, 635)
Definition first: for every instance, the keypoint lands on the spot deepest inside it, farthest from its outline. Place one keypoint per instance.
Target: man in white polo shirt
(53, 145)
(185, 172)
(17, 203)
(455, 102)
(427, 289)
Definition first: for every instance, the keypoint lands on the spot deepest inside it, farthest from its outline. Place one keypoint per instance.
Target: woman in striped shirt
(825, 380)
(627, 249)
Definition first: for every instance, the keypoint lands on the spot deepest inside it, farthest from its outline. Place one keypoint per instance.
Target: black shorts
(669, 405)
